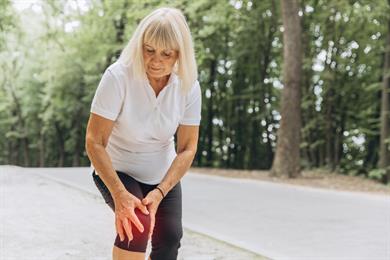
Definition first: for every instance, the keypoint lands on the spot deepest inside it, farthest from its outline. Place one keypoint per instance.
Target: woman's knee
(166, 241)
(140, 239)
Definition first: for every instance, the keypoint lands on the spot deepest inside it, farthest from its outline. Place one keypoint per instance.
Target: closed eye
(165, 54)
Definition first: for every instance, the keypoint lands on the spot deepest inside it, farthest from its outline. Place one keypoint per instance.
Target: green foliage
(377, 174)
(53, 57)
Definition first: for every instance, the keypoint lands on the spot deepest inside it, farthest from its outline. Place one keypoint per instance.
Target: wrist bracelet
(160, 191)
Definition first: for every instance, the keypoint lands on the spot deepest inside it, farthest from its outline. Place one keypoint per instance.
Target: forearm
(179, 167)
(101, 161)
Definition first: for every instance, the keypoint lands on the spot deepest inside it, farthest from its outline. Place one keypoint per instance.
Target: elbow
(193, 151)
(91, 145)
(87, 147)
(189, 150)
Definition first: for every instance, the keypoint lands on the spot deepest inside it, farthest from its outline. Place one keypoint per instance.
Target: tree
(385, 112)
(287, 155)
(65, 48)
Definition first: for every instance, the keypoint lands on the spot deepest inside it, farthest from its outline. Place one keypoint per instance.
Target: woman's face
(158, 62)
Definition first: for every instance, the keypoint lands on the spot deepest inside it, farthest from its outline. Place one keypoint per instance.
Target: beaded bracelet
(160, 191)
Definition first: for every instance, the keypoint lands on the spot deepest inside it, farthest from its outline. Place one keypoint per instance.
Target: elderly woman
(150, 93)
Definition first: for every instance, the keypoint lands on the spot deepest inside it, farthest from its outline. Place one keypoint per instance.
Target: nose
(156, 58)
(156, 61)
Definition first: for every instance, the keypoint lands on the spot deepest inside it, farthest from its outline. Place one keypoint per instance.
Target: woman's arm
(187, 143)
(97, 134)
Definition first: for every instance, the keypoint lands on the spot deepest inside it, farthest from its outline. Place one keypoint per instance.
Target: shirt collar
(171, 81)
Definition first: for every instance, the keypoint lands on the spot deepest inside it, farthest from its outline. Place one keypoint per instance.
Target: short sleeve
(109, 96)
(193, 106)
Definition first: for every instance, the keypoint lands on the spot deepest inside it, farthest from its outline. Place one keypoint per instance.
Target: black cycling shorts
(168, 229)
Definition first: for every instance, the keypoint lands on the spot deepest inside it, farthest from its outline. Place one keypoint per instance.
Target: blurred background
(53, 54)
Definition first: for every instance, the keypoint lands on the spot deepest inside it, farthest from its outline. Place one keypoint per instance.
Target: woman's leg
(137, 246)
(121, 254)
(140, 240)
(168, 229)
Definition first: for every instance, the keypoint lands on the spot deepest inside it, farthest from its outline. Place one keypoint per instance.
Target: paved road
(54, 221)
(279, 221)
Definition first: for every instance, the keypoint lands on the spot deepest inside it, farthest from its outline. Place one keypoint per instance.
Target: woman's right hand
(125, 205)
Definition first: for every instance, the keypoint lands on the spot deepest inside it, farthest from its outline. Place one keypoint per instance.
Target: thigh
(130, 184)
(104, 191)
(168, 229)
(139, 241)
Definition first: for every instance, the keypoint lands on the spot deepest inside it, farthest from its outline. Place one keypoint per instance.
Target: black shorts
(168, 229)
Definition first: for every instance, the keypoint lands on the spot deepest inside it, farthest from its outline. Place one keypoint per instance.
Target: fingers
(126, 216)
(127, 227)
(136, 221)
(143, 208)
(152, 220)
(119, 228)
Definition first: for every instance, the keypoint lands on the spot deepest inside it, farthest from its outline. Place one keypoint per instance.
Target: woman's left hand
(152, 201)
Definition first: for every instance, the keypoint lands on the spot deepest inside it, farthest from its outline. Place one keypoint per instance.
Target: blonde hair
(165, 28)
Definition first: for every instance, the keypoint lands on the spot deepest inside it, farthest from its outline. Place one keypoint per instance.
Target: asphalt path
(56, 221)
(279, 221)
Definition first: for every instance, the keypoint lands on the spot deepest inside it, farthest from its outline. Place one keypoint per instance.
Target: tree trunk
(239, 114)
(41, 150)
(61, 145)
(339, 140)
(79, 148)
(308, 114)
(287, 155)
(384, 152)
(26, 152)
(210, 114)
(266, 59)
(329, 106)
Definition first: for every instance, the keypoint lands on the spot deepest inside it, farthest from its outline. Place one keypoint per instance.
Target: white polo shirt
(142, 140)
